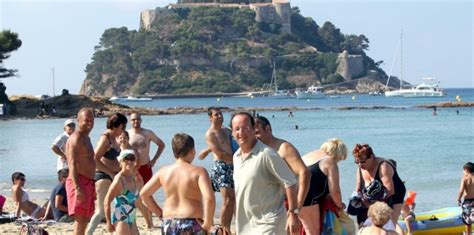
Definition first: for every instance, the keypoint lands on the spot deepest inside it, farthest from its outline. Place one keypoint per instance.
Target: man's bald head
(85, 120)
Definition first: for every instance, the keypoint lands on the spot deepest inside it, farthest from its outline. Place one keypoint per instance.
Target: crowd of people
(263, 181)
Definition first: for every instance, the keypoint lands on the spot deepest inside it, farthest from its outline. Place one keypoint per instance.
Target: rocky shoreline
(67, 106)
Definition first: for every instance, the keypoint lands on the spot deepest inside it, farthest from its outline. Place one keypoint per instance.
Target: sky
(61, 34)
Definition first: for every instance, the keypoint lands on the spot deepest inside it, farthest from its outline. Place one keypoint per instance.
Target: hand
(63, 158)
(79, 195)
(110, 228)
(293, 224)
(207, 227)
(203, 154)
(343, 206)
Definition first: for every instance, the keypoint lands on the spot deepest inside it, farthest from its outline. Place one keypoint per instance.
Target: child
(58, 199)
(467, 190)
(124, 141)
(408, 211)
(124, 190)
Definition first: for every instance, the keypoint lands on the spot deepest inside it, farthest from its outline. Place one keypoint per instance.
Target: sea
(430, 150)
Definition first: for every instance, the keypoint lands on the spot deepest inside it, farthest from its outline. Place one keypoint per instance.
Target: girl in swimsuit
(20, 196)
(324, 181)
(107, 166)
(124, 141)
(124, 191)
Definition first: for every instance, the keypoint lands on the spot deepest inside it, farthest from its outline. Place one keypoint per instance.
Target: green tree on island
(9, 42)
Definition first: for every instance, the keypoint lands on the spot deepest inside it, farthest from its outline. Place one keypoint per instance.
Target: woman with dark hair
(107, 165)
(377, 180)
(22, 200)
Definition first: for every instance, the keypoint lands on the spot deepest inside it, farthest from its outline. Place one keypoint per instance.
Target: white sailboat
(274, 92)
(428, 88)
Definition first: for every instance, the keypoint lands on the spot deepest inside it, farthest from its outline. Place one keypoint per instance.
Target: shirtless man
(189, 203)
(288, 152)
(80, 185)
(140, 139)
(467, 190)
(218, 139)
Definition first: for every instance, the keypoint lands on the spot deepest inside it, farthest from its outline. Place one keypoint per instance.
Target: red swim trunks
(83, 208)
(145, 172)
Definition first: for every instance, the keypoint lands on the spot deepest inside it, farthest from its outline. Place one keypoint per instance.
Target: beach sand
(66, 228)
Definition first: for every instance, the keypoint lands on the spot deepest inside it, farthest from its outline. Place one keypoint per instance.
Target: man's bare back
(469, 186)
(180, 183)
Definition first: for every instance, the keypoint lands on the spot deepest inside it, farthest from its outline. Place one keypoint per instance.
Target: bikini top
(112, 153)
(126, 197)
(25, 196)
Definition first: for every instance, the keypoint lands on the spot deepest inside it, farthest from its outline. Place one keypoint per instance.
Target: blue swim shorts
(222, 175)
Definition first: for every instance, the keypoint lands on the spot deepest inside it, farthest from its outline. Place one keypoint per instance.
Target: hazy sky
(437, 41)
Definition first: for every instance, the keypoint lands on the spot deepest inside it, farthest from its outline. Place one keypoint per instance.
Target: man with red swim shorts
(140, 139)
(80, 185)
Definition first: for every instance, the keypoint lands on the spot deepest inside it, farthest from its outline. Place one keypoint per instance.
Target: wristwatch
(295, 211)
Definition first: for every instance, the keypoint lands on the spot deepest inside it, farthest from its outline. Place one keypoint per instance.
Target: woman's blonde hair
(379, 213)
(335, 148)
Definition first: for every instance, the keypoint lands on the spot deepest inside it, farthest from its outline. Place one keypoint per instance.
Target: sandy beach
(66, 228)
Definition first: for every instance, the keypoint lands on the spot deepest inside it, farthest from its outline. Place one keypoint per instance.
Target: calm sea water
(430, 150)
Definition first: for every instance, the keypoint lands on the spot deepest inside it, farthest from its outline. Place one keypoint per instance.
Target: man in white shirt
(259, 176)
(59, 144)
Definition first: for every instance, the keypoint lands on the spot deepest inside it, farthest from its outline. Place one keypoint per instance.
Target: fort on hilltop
(270, 11)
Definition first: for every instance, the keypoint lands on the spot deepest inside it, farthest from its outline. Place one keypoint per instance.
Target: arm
(58, 199)
(161, 146)
(386, 175)
(102, 147)
(48, 208)
(203, 154)
(293, 223)
(292, 157)
(17, 193)
(146, 194)
(209, 201)
(333, 180)
(58, 151)
(114, 190)
(213, 143)
(461, 191)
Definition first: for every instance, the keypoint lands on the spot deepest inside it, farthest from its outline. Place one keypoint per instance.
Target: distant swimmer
(290, 114)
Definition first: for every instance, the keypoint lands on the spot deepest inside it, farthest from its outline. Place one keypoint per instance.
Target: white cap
(69, 121)
(125, 153)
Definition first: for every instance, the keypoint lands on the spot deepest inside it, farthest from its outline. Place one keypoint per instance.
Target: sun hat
(125, 153)
(68, 122)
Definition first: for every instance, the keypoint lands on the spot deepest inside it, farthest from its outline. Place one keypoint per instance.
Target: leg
(122, 228)
(408, 220)
(101, 187)
(146, 213)
(228, 207)
(468, 229)
(309, 217)
(80, 225)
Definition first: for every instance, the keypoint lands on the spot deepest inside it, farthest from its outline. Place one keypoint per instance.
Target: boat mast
(274, 77)
(401, 59)
(54, 89)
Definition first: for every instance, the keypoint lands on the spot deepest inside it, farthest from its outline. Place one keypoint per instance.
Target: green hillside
(210, 49)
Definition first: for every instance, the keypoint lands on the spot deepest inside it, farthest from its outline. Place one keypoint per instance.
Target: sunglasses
(130, 158)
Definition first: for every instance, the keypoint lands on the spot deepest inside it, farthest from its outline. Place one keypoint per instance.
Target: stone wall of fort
(350, 66)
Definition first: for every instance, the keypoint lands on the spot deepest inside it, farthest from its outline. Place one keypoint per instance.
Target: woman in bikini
(107, 166)
(322, 164)
(124, 191)
(22, 200)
